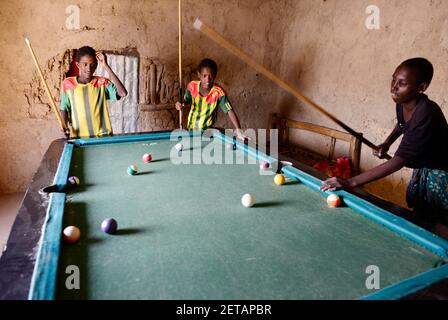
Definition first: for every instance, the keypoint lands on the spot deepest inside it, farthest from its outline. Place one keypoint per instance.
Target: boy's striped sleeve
(112, 92)
(187, 97)
(224, 104)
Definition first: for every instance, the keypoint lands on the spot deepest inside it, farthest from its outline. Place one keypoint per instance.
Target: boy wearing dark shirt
(424, 146)
(424, 142)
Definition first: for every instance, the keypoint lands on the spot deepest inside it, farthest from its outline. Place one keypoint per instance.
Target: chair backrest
(284, 125)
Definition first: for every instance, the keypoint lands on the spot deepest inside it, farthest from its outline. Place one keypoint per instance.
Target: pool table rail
(28, 267)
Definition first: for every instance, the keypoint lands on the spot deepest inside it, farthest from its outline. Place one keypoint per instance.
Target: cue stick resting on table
(199, 25)
(47, 89)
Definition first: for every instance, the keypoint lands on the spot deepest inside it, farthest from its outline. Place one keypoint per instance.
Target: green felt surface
(183, 233)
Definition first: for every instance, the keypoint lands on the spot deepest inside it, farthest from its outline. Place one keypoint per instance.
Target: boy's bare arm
(234, 118)
(236, 123)
(385, 169)
(122, 92)
(384, 147)
(65, 118)
(392, 137)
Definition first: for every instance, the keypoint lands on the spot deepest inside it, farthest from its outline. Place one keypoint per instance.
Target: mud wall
(148, 29)
(323, 47)
(335, 59)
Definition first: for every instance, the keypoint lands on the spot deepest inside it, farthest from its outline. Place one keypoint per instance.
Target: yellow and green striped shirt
(204, 112)
(87, 106)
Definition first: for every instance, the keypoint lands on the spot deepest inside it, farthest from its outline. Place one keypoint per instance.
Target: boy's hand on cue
(240, 135)
(66, 133)
(382, 150)
(178, 106)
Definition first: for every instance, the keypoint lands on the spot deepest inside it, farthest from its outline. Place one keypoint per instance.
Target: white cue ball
(248, 200)
(179, 146)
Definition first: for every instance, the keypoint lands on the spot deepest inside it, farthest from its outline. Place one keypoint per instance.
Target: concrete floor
(9, 204)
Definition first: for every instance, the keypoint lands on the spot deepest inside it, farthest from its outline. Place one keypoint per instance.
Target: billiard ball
(279, 179)
(73, 181)
(264, 165)
(71, 234)
(109, 225)
(248, 200)
(132, 170)
(333, 200)
(179, 146)
(147, 158)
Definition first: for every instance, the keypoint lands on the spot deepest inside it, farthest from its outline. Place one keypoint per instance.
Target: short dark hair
(85, 51)
(208, 63)
(423, 68)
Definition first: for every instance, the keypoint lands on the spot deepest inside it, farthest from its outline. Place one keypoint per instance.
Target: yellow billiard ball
(279, 179)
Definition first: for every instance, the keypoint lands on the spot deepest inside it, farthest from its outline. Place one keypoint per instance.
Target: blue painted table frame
(43, 284)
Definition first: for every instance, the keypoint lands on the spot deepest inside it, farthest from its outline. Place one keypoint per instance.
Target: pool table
(183, 232)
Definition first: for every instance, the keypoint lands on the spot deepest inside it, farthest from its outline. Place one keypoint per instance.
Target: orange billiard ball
(333, 200)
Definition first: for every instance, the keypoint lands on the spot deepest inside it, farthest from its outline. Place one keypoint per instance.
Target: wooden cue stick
(198, 24)
(180, 64)
(53, 105)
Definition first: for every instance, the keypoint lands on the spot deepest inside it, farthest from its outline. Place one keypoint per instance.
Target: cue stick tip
(27, 40)
(197, 24)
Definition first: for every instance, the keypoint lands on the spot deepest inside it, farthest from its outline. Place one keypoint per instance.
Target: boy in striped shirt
(84, 98)
(204, 97)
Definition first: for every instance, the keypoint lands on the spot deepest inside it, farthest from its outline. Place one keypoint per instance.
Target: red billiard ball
(71, 234)
(147, 157)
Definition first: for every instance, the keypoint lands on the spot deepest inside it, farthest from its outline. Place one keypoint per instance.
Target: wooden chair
(310, 157)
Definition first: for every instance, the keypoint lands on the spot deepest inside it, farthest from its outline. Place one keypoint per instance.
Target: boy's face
(404, 87)
(207, 77)
(87, 66)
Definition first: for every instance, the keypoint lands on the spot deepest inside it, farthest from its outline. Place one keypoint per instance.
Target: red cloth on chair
(339, 168)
